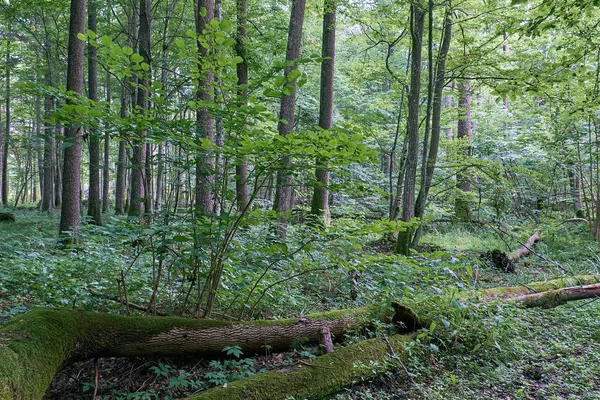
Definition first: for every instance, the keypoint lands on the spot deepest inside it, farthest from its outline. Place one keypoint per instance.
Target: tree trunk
(205, 163)
(71, 200)
(412, 131)
(241, 168)
(284, 188)
(106, 166)
(430, 161)
(5, 181)
(94, 206)
(462, 207)
(320, 199)
(138, 182)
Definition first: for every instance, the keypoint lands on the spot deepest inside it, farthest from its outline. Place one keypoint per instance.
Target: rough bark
(137, 200)
(412, 130)
(5, 179)
(49, 156)
(35, 345)
(320, 199)
(71, 177)
(205, 163)
(106, 164)
(284, 186)
(462, 206)
(94, 206)
(241, 168)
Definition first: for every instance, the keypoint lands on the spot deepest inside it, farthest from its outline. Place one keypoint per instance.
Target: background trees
(212, 119)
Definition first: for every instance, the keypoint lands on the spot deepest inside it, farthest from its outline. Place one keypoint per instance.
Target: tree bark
(241, 168)
(5, 180)
(71, 200)
(284, 188)
(205, 163)
(431, 158)
(94, 206)
(462, 206)
(137, 200)
(106, 164)
(320, 199)
(412, 131)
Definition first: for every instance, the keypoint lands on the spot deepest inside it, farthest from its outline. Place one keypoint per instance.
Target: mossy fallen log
(321, 377)
(34, 346)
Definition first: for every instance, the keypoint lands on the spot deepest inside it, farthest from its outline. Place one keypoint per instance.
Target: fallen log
(35, 345)
(506, 261)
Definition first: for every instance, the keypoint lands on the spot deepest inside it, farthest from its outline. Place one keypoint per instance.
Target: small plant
(235, 351)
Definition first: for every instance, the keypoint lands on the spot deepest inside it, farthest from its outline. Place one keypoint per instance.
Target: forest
(299, 199)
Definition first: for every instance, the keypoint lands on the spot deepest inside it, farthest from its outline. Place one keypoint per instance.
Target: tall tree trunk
(205, 163)
(58, 158)
(94, 206)
(462, 207)
(431, 158)
(106, 166)
(284, 188)
(241, 167)
(417, 26)
(5, 181)
(71, 200)
(320, 199)
(138, 182)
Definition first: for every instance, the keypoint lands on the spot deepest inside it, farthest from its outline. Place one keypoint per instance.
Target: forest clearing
(298, 199)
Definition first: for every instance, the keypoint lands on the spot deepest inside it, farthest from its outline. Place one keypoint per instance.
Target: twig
(529, 287)
(395, 357)
(314, 365)
(95, 379)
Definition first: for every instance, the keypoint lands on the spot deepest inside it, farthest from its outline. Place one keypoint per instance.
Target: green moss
(324, 376)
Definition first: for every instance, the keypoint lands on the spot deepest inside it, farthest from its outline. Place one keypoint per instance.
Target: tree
(94, 205)
(464, 133)
(241, 168)
(284, 188)
(417, 26)
(139, 191)
(205, 163)
(71, 201)
(320, 199)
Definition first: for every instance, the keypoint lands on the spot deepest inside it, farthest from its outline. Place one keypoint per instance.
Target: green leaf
(91, 34)
(288, 90)
(106, 40)
(203, 12)
(127, 50)
(136, 58)
(225, 24)
(280, 81)
(81, 36)
(293, 75)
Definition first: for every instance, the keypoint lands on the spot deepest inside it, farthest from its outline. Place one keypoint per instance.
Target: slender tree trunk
(5, 181)
(205, 163)
(94, 206)
(462, 207)
(320, 199)
(136, 201)
(284, 188)
(106, 166)
(71, 200)
(431, 158)
(412, 131)
(58, 157)
(241, 168)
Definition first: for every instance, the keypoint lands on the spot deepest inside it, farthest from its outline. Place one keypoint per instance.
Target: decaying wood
(35, 345)
(506, 261)
(526, 249)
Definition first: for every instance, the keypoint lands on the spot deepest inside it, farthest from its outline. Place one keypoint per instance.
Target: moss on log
(34, 346)
(318, 379)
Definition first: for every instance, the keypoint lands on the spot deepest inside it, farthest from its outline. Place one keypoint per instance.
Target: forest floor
(495, 352)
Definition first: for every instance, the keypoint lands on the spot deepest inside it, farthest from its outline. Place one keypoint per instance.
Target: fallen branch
(127, 303)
